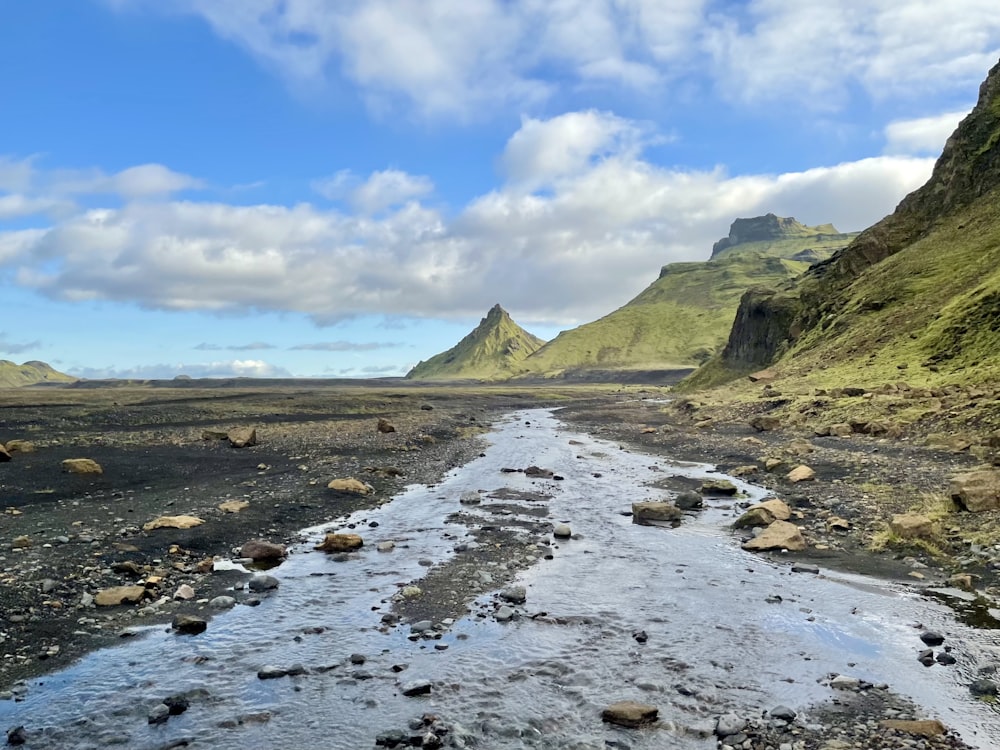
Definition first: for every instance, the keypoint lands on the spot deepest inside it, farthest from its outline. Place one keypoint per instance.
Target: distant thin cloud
(253, 346)
(237, 368)
(16, 347)
(346, 346)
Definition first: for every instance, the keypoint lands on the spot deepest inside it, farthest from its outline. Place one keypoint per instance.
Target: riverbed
(725, 630)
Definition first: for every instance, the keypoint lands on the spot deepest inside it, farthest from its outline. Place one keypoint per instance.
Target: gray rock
(271, 672)
(470, 498)
(385, 546)
(514, 595)
(801, 568)
(189, 624)
(562, 531)
(729, 724)
(421, 626)
(262, 582)
(504, 614)
(984, 687)
(417, 687)
(843, 682)
(222, 602)
(48, 586)
(931, 638)
(689, 500)
(783, 712)
(358, 659)
(158, 714)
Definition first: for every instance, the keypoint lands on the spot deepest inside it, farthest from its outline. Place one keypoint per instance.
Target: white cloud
(236, 368)
(454, 58)
(924, 135)
(382, 190)
(592, 235)
(545, 150)
(140, 181)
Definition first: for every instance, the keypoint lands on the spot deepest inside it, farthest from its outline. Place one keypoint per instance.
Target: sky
(280, 188)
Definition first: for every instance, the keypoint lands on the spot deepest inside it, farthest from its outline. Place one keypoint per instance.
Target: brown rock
(841, 429)
(772, 464)
(258, 549)
(743, 471)
(801, 473)
(779, 535)
(912, 526)
(116, 595)
(340, 543)
(718, 487)
(836, 523)
(647, 430)
(4, 455)
(777, 508)
(977, 491)
(764, 514)
(655, 511)
(962, 581)
(173, 522)
(799, 448)
(21, 542)
(214, 435)
(189, 624)
(629, 714)
(351, 485)
(242, 437)
(233, 506)
(20, 446)
(81, 466)
(762, 376)
(385, 426)
(920, 727)
(765, 422)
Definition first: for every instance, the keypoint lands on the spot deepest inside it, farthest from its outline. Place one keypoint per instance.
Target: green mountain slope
(683, 317)
(915, 297)
(13, 375)
(490, 352)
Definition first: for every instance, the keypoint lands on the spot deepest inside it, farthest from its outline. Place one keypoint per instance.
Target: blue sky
(275, 187)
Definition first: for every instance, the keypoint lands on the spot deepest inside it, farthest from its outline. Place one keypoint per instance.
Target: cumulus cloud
(445, 58)
(237, 368)
(594, 232)
(346, 346)
(382, 190)
(924, 135)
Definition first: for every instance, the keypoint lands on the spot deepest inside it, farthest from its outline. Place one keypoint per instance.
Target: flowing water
(532, 682)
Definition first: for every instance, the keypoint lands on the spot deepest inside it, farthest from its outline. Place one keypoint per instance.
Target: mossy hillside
(678, 321)
(489, 352)
(13, 375)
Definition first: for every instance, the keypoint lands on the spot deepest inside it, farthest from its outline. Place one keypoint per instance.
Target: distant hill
(13, 375)
(490, 352)
(683, 318)
(916, 297)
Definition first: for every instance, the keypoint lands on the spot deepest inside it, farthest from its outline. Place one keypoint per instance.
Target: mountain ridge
(32, 372)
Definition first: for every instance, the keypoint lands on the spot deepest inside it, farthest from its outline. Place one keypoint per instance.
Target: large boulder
(112, 597)
(912, 526)
(351, 486)
(779, 535)
(765, 422)
(242, 437)
(629, 714)
(81, 466)
(718, 487)
(801, 473)
(976, 491)
(173, 522)
(340, 543)
(651, 512)
(258, 549)
(20, 446)
(764, 514)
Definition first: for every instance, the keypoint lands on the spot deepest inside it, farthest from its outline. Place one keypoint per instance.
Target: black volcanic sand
(149, 442)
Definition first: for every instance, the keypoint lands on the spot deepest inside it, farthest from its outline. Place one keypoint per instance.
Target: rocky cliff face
(768, 228)
(968, 169)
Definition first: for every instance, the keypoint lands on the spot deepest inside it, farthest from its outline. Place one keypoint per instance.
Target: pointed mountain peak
(489, 352)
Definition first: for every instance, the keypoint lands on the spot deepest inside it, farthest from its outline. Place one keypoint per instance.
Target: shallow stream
(715, 627)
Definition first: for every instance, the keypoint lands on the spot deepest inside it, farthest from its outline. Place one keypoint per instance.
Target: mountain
(13, 375)
(916, 296)
(490, 352)
(683, 317)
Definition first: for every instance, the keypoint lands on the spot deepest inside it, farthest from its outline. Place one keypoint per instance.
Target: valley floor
(66, 536)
